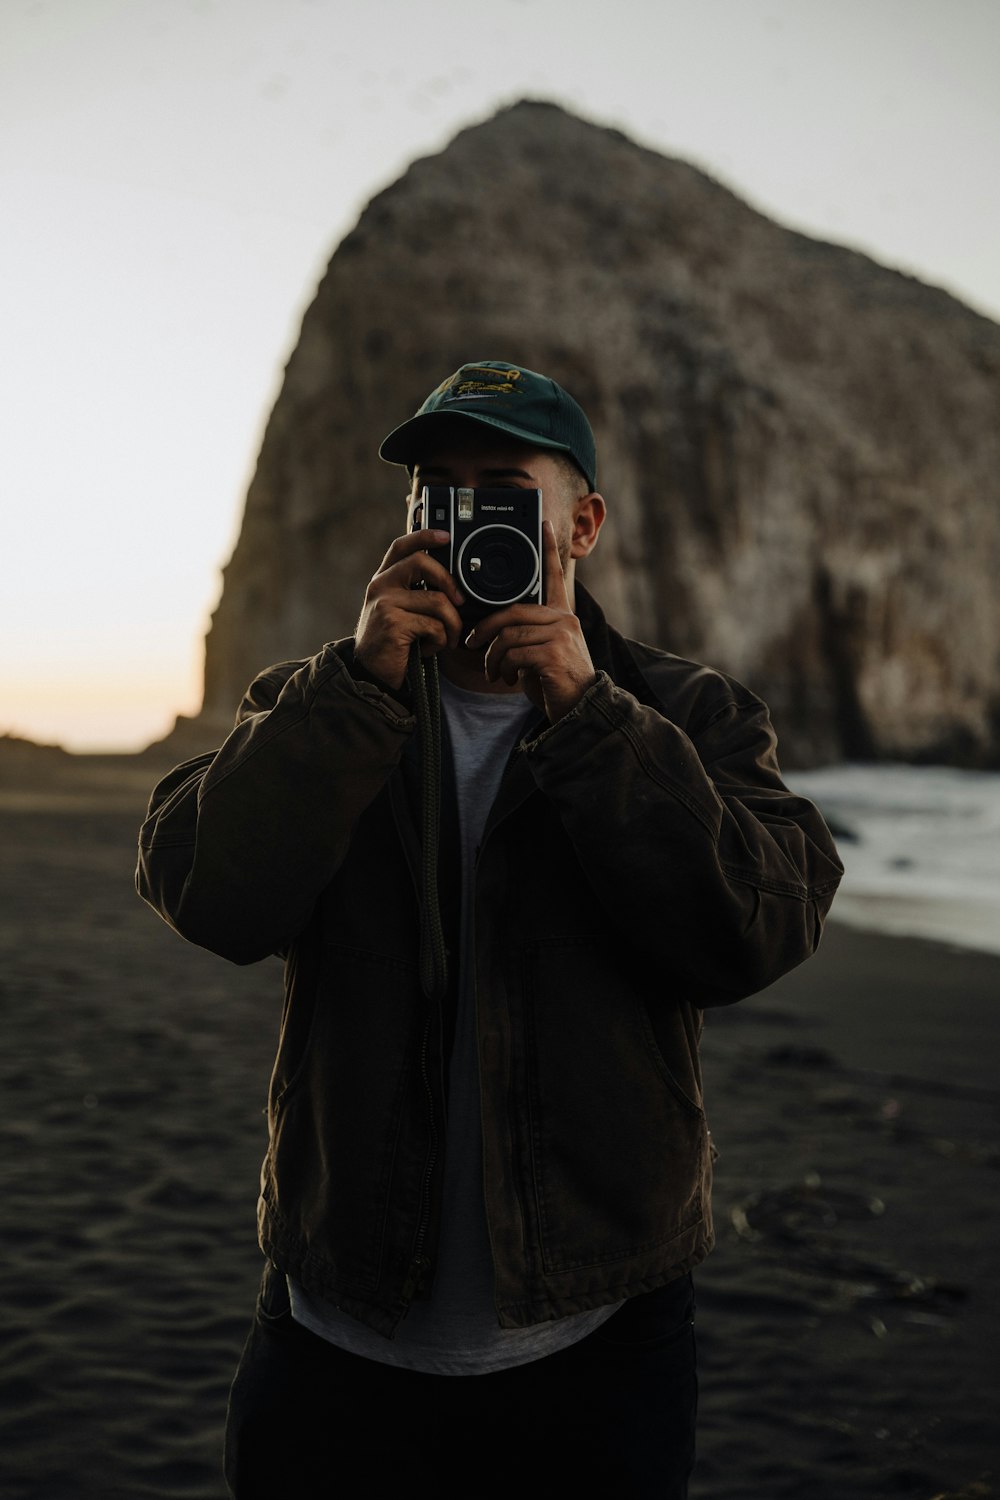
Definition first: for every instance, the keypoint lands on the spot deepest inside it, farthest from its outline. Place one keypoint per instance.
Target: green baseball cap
(509, 398)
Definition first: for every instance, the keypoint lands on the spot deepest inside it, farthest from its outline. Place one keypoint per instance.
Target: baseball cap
(509, 398)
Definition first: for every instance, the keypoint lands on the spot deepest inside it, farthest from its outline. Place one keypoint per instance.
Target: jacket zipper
(420, 1264)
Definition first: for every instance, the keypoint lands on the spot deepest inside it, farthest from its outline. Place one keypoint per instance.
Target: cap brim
(404, 443)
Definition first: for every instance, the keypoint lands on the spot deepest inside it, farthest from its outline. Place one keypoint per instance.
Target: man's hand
(539, 646)
(397, 611)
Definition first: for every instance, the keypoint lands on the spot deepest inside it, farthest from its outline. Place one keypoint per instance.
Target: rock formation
(800, 448)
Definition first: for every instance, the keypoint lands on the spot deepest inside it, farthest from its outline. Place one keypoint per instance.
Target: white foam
(924, 859)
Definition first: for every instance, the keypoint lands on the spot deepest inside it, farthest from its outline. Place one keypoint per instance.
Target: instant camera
(495, 552)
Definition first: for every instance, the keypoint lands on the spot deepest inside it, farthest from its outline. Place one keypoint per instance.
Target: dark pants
(612, 1415)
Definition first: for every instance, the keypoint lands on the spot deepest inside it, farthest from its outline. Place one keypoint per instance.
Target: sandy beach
(848, 1320)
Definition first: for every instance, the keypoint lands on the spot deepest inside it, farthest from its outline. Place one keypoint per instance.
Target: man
(483, 1197)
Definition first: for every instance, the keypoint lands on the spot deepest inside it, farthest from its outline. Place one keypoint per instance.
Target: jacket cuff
(593, 717)
(362, 678)
(368, 686)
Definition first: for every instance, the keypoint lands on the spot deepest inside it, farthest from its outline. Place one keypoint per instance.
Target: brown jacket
(642, 860)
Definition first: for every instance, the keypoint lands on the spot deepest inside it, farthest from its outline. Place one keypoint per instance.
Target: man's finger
(412, 541)
(528, 642)
(408, 563)
(555, 582)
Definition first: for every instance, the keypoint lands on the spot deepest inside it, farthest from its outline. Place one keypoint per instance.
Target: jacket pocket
(618, 1147)
(337, 1111)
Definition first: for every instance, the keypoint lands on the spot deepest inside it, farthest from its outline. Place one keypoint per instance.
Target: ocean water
(921, 849)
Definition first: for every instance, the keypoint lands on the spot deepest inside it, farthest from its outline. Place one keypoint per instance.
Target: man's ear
(588, 518)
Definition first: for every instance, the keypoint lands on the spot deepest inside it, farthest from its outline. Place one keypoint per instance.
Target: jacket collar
(609, 651)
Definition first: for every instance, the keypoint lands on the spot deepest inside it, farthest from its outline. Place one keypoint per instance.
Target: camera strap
(425, 687)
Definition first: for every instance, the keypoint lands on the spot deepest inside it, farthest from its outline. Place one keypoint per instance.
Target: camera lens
(497, 565)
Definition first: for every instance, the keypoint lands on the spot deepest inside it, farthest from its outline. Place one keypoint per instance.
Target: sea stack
(800, 448)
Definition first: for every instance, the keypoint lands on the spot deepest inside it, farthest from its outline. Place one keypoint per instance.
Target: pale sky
(175, 175)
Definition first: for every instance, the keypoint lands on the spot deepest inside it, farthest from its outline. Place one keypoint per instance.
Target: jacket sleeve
(237, 846)
(696, 849)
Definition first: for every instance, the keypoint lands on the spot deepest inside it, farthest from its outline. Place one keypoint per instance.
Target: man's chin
(466, 668)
